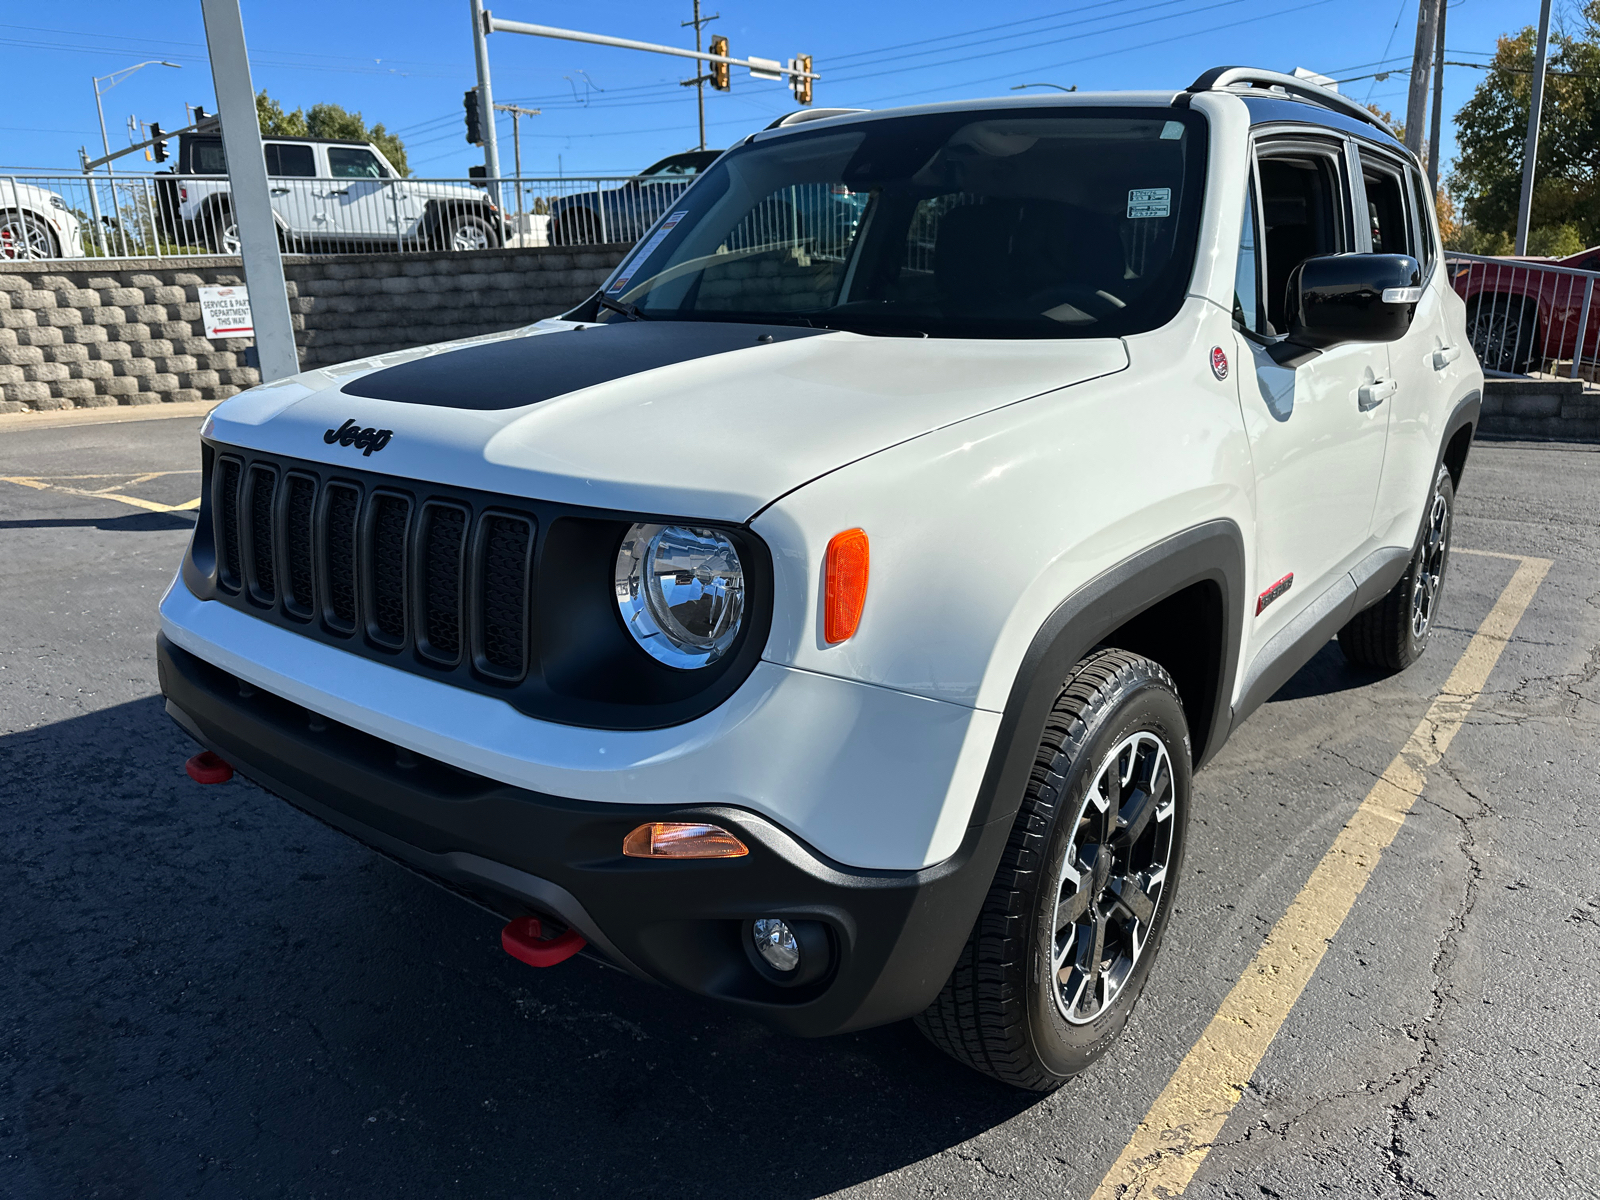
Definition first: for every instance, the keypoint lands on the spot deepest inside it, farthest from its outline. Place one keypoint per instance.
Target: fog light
(776, 944)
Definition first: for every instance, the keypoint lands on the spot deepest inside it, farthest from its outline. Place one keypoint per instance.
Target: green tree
(1491, 129)
(328, 121)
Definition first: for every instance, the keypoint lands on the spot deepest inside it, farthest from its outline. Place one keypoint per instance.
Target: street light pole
(115, 78)
(699, 67)
(1530, 151)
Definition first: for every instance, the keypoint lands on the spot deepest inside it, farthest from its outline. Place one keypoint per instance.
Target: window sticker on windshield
(648, 249)
(1150, 202)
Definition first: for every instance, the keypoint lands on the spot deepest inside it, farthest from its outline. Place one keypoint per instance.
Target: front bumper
(895, 935)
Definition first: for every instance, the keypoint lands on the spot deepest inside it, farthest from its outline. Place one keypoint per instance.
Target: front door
(361, 199)
(1317, 429)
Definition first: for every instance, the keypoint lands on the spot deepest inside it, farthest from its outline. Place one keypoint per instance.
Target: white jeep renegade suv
(831, 629)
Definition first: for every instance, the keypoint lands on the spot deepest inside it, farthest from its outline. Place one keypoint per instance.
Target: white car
(36, 223)
(836, 636)
(327, 195)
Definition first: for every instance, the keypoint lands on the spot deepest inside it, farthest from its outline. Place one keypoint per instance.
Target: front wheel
(1393, 633)
(25, 236)
(1064, 942)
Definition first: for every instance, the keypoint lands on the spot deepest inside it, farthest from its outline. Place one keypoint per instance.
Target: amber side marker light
(681, 839)
(845, 589)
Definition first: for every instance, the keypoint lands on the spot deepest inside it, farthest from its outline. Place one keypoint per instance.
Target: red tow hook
(206, 767)
(521, 939)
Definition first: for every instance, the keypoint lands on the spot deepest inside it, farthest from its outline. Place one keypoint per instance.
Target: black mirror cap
(1340, 298)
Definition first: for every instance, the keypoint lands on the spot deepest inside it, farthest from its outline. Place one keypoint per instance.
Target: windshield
(997, 224)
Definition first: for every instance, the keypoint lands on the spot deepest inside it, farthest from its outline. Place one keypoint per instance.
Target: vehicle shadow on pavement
(139, 522)
(212, 993)
(1327, 672)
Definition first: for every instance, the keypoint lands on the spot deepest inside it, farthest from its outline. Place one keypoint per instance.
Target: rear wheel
(222, 232)
(468, 231)
(25, 236)
(1063, 944)
(1393, 633)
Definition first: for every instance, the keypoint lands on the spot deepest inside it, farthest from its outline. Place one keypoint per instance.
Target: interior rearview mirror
(1340, 298)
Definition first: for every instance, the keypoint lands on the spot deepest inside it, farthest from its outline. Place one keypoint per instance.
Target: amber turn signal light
(681, 839)
(845, 592)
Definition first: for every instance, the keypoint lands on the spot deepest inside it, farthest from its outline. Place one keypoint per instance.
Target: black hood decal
(526, 370)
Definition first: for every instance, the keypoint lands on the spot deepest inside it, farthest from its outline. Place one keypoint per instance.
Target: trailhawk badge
(1219, 362)
(369, 441)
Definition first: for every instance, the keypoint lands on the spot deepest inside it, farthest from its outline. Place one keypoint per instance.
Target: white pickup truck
(327, 196)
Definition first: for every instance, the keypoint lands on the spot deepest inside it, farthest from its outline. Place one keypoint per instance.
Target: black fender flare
(1467, 412)
(1213, 551)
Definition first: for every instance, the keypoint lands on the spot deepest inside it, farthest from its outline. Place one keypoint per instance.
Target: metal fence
(176, 216)
(1526, 317)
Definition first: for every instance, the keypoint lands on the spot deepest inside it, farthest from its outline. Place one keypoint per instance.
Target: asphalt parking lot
(205, 993)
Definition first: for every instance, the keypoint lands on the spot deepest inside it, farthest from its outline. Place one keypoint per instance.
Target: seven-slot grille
(392, 565)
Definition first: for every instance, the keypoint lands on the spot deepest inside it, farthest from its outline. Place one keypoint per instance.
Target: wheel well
(44, 223)
(1455, 454)
(1184, 633)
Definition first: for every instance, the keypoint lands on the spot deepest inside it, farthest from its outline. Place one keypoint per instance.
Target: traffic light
(159, 142)
(471, 102)
(202, 121)
(721, 76)
(802, 84)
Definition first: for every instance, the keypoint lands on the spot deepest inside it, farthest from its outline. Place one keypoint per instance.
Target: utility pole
(1438, 101)
(1530, 152)
(517, 113)
(700, 76)
(480, 50)
(1421, 61)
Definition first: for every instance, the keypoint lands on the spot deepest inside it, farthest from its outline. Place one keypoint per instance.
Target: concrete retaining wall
(99, 332)
(1540, 409)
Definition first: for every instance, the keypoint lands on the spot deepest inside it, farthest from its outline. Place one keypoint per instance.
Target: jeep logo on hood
(368, 440)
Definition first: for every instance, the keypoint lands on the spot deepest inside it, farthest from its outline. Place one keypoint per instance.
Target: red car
(1524, 312)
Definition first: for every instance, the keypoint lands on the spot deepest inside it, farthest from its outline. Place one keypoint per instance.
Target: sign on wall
(226, 312)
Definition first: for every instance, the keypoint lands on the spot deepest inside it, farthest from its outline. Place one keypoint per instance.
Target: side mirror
(1339, 298)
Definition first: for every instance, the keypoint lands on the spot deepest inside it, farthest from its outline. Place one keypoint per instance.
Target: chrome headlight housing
(681, 592)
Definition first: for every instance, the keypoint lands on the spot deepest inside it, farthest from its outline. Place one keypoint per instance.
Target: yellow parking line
(1183, 1123)
(45, 483)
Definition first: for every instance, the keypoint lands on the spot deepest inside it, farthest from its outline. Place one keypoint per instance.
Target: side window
(290, 160)
(209, 159)
(345, 162)
(1426, 218)
(1302, 211)
(1246, 275)
(1386, 210)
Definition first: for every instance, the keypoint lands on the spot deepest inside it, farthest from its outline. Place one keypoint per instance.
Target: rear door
(291, 181)
(1396, 201)
(1316, 431)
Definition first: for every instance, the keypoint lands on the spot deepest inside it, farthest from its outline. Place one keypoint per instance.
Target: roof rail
(1219, 78)
(802, 115)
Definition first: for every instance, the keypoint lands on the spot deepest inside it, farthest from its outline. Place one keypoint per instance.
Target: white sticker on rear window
(647, 250)
(1150, 202)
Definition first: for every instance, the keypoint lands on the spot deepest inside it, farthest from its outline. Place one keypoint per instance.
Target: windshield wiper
(631, 311)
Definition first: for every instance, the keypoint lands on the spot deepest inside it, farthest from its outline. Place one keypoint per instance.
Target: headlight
(58, 202)
(681, 592)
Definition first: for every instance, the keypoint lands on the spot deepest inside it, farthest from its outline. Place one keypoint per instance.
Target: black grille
(443, 538)
(228, 564)
(263, 579)
(339, 551)
(386, 568)
(503, 589)
(300, 507)
(507, 596)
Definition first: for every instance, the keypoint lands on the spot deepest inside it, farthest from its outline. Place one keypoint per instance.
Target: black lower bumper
(894, 935)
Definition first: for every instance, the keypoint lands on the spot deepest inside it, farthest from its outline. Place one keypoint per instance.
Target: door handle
(280, 191)
(1370, 395)
(1444, 356)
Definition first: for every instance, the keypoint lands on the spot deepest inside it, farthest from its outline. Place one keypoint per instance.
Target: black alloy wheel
(1502, 331)
(1393, 633)
(1064, 943)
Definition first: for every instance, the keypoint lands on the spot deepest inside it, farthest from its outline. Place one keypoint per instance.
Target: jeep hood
(702, 419)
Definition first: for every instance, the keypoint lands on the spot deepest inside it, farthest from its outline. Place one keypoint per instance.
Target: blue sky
(406, 62)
